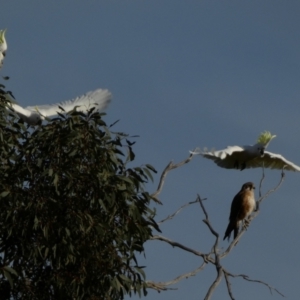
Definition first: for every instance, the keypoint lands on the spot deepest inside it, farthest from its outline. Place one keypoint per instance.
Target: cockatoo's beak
(262, 151)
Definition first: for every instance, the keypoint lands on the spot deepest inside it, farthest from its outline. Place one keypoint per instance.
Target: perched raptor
(242, 206)
(244, 157)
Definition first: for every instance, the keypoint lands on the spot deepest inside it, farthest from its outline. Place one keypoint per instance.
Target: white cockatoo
(237, 157)
(35, 114)
(3, 46)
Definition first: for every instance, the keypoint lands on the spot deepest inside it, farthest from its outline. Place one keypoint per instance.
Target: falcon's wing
(98, 98)
(273, 161)
(226, 158)
(236, 205)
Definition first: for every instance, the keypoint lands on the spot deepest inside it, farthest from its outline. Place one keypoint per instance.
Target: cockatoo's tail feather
(265, 138)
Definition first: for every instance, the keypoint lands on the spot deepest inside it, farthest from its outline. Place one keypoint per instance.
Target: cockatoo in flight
(3, 46)
(236, 157)
(34, 114)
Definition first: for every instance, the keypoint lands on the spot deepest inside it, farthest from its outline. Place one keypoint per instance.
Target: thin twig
(169, 217)
(215, 251)
(168, 168)
(246, 277)
(162, 286)
(261, 180)
(178, 245)
(206, 220)
(274, 189)
(228, 284)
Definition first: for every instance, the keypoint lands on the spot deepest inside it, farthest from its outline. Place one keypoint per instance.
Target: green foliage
(72, 213)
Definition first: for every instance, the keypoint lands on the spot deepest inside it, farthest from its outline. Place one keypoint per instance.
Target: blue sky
(183, 74)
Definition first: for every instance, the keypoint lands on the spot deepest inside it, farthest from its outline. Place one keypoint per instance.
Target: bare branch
(214, 284)
(206, 220)
(261, 180)
(162, 286)
(246, 277)
(215, 251)
(158, 286)
(228, 284)
(274, 189)
(206, 257)
(169, 217)
(168, 168)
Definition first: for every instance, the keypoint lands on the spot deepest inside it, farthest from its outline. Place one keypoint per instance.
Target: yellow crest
(2, 36)
(265, 138)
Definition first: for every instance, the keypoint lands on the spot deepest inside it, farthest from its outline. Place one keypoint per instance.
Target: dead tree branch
(246, 277)
(162, 286)
(169, 217)
(215, 251)
(183, 247)
(167, 169)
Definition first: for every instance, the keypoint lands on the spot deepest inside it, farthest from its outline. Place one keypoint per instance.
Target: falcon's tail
(231, 226)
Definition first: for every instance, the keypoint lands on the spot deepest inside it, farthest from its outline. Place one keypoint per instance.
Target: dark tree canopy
(72, 212)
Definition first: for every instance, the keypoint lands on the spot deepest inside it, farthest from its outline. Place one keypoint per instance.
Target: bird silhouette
(242, 206)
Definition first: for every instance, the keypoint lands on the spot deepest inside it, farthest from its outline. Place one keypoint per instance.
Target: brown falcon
(242, 206)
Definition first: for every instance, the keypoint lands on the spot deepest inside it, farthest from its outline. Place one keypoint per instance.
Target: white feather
(273, 161)
(1, 60)
(236, 157)
(3, 44)
(33, 114)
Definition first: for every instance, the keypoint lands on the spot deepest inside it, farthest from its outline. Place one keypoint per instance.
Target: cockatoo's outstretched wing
(28, 116)
(98, 99)
(233, 157)
(273, 161)
(226, 158)
(34, 114)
